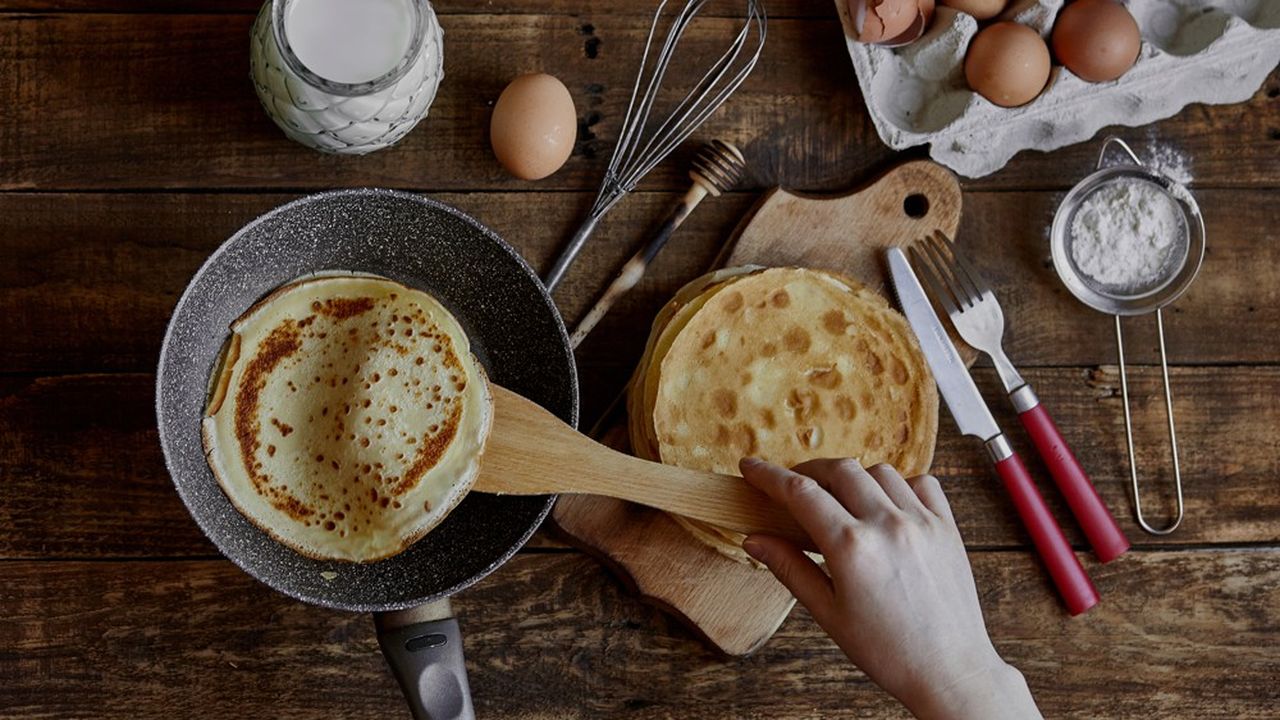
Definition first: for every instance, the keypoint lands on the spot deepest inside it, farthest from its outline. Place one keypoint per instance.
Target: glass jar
(352, 114)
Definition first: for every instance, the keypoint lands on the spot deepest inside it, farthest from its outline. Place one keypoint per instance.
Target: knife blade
(954, 383)
(973, 417)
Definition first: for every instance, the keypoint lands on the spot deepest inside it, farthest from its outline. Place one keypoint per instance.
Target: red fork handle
(1100, 527)
(1073, 583)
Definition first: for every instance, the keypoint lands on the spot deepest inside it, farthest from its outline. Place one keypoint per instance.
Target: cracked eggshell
(916, 29)
(878, 21)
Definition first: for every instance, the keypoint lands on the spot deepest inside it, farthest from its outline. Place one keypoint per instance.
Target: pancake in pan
(348, 416)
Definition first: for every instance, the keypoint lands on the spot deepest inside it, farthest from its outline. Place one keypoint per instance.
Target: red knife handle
(1100, 527)
(1073, 584)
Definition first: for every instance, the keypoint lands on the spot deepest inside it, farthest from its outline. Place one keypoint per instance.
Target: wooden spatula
(531, 452)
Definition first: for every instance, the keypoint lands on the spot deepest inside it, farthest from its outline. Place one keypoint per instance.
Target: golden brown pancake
(348, 416)
(786, 364)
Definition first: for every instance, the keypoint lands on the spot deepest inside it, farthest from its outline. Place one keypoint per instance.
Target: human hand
(899, 598)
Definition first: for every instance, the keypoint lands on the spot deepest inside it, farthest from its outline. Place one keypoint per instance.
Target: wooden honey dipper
(717, 167)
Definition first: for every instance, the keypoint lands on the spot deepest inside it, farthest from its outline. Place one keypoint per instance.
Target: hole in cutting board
(916, 206)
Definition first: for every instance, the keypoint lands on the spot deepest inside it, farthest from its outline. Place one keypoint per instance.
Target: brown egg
(534, 126)
(979, 9)
(1007, 63)
(880, 20)
(1098, 40)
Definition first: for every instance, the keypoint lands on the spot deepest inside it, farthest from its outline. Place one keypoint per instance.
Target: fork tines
(951, 279)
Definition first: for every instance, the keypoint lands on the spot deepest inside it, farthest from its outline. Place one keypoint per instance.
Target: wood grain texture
(1179, 634)
(81, 474)
(733, 607)
(777, 8)
(169, 105)
(131, 145)
(89, 279)
(828, 231)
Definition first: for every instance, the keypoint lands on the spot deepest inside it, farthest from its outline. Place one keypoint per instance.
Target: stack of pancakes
(347, 416)
(784, 364)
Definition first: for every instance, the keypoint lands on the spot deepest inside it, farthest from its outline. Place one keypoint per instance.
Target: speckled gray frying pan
(516, 332)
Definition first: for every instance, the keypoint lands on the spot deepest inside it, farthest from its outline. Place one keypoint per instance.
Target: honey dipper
(717, 167)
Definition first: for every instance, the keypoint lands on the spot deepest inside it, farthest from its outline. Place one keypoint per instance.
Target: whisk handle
(570, 252)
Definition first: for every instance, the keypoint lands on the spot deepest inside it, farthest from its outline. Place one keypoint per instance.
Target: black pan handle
(423, 646)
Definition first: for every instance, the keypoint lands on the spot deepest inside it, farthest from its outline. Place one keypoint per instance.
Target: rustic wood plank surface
(131, 145)
(84, 476)
(172, 107)
(177, 639)
(113, 265)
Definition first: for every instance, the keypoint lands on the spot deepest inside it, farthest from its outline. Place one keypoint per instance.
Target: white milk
(339, 46)
(349, 41)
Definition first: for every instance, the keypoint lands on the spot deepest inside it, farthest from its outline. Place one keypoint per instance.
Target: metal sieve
(1180, 268)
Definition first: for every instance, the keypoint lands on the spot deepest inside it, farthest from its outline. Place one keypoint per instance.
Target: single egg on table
(1007, 63)
(1098, 40)
(979, 9)
(534, 126)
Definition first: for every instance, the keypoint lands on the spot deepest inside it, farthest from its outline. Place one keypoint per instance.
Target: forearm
(996, 693)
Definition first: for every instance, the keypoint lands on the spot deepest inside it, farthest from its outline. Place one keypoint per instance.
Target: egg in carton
(1193, 51)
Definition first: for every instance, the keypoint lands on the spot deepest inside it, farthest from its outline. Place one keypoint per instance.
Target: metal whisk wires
(644, 141)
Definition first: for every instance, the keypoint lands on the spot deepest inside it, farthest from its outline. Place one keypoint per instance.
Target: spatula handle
(1068, 575)
(531, 452)
(1104, 534)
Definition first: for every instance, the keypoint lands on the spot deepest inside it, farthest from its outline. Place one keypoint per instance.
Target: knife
(974, 418)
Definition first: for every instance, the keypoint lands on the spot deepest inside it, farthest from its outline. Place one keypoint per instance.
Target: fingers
(816, 510)
(897, 489)
(853, 486)
(796, 571)
(929, 490)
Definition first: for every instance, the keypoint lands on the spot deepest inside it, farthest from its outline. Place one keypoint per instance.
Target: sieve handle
(426, 659)
(1100, 527)
(1106, 146)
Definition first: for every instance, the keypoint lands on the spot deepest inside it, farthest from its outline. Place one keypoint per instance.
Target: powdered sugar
(1128, 236)
(1168, 161)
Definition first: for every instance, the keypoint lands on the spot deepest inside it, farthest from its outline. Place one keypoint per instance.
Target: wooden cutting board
(733, 606)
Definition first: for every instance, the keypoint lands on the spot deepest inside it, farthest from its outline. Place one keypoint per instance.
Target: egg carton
(1193, 51)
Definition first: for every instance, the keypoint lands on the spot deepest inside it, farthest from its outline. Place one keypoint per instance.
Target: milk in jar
(346, 76)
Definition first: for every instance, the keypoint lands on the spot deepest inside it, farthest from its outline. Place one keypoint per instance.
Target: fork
(976, 315)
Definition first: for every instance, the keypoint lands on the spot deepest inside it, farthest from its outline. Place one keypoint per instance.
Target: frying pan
(515, 331)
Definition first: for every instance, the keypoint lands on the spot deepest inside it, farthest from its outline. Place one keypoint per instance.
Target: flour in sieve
(1128, 235)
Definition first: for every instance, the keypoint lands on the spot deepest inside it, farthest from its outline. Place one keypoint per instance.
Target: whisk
(642, 142)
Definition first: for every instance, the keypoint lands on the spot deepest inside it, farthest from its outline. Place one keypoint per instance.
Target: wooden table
(131, 145)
